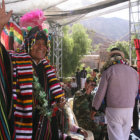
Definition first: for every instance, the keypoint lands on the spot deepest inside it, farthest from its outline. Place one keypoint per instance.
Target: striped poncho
(42, 130)
(54, 85)
(5, 94)
(23, 91)
(19, 94)
(22, 95)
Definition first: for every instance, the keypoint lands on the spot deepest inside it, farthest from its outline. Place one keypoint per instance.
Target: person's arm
(57, 94)
(54, 84)
(4, 17)
(100, 94)
(74, 128)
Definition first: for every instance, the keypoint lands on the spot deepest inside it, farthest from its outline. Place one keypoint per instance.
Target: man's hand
(4, 17)
(84, 133)
(93, 114)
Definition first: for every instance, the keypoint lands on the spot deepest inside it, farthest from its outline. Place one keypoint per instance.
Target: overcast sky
(124, 14)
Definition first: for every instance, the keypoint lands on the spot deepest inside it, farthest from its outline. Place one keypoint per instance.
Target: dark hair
(115, 54)
(36, 34)
(115, 49)
(33, 31)
(134, 67)
(96, 70)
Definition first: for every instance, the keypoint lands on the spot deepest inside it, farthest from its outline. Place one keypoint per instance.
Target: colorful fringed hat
(32, 23)
(32, 19)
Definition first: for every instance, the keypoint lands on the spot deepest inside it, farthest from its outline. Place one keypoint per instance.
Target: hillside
(112, 28)
(125, 38)
(98, 40)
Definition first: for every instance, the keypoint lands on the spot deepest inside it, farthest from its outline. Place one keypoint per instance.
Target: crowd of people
(33, 102)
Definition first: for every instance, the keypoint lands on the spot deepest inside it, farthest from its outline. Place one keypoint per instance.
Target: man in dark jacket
(78, 80)
(83, 74)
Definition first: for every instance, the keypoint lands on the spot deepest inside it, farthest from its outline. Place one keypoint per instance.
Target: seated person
(69, 130)
(82, 106)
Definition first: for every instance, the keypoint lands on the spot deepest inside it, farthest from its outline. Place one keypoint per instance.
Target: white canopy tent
(62, 12)
(21, 7)
(66, 14)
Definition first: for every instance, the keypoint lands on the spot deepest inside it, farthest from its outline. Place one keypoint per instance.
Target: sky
(74, 4)
(123, 14)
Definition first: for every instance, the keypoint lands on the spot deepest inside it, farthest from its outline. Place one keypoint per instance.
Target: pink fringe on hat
(33, 18)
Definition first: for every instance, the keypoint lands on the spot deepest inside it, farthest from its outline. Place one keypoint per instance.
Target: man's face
(94, 74)
(39, 50)
(90, 87)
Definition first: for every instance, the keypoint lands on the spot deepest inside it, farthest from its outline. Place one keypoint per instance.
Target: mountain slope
(98, 40)
(112, 28)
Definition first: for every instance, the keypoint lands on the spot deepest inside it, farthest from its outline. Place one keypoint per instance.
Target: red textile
(137, 46)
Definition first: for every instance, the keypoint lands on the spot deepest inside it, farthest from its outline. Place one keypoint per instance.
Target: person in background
(69, 129)
(94, 74)
(78, 78)
(83, 75)
(73, 86)
(119, 87)
(67, 90)
(82, 106)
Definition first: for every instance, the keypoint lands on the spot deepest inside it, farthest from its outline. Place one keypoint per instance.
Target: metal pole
(57, 49)
(130, 47)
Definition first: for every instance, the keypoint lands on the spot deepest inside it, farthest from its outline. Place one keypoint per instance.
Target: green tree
(68, 46)
(124, 46)
(76, 43)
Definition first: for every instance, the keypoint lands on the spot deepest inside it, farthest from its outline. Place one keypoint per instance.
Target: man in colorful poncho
(36, 46)
(26, 103)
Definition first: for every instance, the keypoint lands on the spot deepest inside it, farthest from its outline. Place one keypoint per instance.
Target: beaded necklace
(114, 60)
(40, 95)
